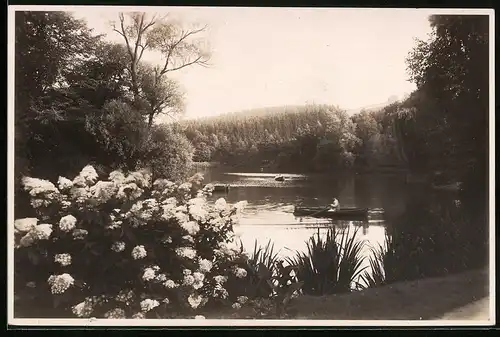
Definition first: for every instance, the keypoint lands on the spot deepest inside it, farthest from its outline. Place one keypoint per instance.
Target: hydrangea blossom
(166, 240)
(236, 306)
(242, 299)
(116, 313)
(186, 252)
(221, 205)
(188, 238)
(219, 279)
(129, 191)
(181, 217)
(240, 272)
(139, 252)
(103, 191)
(198, 211)
(198, 277)
(188, 280)
(37, 187)
(195, 300)
(63, 259)
(83, 309)
(60, 283)
(64, 183)
(41, 232)
(87, 177)
(170, 284)
(139, 315)
(67, 223)
(199, 317)
(205, 265)
(117, 177)
(124, 296)
(197, 285)
(161, 277)
(220, 292)
(25, 225)
(118, 246)
(191, 227)
(80, 234)
(149, 304)
(149, 274)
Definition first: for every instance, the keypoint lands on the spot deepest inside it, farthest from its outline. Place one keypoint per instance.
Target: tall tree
(178, 46)
(452, 70)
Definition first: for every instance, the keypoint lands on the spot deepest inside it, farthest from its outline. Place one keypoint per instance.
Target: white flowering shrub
(126, 247)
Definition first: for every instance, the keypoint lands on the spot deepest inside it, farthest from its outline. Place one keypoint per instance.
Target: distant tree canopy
(442, 126)
(80, 99)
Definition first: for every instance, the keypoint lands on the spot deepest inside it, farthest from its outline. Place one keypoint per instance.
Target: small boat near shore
(221, 188)
(342, 213)
(279, 177)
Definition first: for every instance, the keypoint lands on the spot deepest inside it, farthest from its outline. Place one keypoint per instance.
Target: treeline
(80, 99)
(306, 138)
(442, 126)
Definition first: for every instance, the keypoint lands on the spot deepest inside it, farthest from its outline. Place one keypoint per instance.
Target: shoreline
(463, 296)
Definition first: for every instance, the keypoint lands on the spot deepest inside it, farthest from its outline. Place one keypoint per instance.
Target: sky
(264, 57)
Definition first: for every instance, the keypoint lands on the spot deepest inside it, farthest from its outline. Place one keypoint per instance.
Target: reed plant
(261, 256)
(331, 264)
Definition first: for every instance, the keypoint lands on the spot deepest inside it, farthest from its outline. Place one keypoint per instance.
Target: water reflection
(269, 214)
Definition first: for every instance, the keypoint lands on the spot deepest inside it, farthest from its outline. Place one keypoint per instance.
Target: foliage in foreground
(124, 247)
(331, 265)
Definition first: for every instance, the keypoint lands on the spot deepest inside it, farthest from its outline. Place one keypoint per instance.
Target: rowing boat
(322, 212)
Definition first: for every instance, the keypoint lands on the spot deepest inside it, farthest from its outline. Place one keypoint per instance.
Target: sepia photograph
(246, 166)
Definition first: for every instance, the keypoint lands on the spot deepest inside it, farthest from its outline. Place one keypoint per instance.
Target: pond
(269, 213)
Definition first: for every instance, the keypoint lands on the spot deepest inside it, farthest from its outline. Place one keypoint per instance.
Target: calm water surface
(269, 213)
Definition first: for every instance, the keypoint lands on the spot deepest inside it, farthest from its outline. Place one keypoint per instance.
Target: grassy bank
(450, 297)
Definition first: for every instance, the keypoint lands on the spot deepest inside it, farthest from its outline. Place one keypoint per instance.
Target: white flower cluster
(197, 209)
(170, 284)
(240, 272)
(186, 252)
(118, 246)
(67, 223)
(84, 309)
(125, 296)
(117, 313)
(63, 259)
(139, 252)
(196, 300)
(60, 283)
(219, 279)
(80, 234)
(168, 201)
(191, 227)
(86, 177)
(64, 184)
(33, 232)
(103, 191)
(39, 187)
(149, 274)
(242, 299)
(205, 265)
(149, 304)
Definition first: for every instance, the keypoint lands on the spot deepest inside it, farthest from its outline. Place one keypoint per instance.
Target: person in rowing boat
(334, 206)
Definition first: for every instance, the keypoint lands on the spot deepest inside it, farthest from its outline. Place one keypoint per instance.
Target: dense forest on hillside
(442, 126)
(306, 138)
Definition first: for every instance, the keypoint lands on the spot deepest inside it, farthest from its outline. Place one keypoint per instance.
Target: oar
(320, 211)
